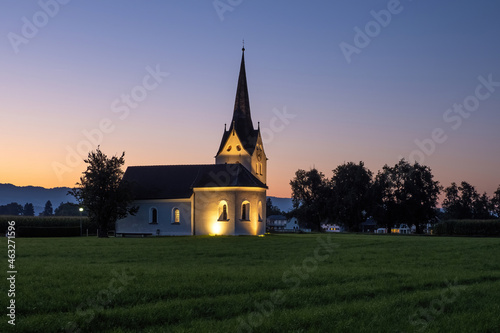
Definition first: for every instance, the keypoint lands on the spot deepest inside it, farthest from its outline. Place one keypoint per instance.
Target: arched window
(176, 215)
(260, 168)
(223, 215)
(245, 211)
(260, 211)
(153, 216)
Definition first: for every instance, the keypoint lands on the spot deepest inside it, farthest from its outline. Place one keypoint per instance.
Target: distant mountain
(36, 195)
(284, 204)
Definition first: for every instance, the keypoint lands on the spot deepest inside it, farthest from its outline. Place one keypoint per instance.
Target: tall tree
(406, 194)
(452, 203)
(310, 190)
(48, 211)
(495, 202)
(349, 198)
(463, 202)
(482, 207)
(101, 191)
(28, 210)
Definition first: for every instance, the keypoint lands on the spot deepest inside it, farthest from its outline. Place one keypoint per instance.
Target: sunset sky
(329, 81)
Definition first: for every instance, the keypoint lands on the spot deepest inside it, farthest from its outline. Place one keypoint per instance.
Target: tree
(482, 207)
(271, 209)
(28, 210)
(11, 209)
(101, 191)
(349, 198)
(463, 202)
(48, 211)
(310, 191)
(495, 202)
(68, 209)
(452, 203)
(405, 193)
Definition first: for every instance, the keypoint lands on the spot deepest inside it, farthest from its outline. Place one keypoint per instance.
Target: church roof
(178, 181)
(242, 119)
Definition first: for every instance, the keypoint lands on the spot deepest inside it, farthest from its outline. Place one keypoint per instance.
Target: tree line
(64, 209)
(403, 193)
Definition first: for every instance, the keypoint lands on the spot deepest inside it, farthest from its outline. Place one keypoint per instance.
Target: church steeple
(241, 143)
(242, 120)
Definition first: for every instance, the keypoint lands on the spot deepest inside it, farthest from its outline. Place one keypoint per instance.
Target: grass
(366, 283)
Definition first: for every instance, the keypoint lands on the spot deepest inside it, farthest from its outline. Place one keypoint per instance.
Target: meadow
(276, 283)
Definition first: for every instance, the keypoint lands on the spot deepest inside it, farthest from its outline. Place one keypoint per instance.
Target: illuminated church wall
(165, 221)
(208, 211)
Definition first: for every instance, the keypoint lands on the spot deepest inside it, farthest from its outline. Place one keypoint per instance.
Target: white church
(225, 198)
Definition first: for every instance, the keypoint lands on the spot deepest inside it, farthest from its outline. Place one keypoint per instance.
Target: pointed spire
(241, 124)
(242, 119)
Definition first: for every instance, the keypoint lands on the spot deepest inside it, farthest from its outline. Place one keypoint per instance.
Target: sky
(329, 81)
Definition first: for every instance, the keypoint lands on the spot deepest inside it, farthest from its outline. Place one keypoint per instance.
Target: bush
(469, 228)
(49, 222)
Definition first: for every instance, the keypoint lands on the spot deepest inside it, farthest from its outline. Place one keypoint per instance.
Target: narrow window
(245, 211)
(154, 215)
(177, 215)
(222, 211)
(260, 211)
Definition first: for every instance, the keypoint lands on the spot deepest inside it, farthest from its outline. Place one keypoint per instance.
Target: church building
(225, 198)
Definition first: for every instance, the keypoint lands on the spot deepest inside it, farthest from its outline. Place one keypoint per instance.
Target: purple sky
(329, 81)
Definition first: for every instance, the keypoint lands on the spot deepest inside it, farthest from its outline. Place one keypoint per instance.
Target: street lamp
(81, 211)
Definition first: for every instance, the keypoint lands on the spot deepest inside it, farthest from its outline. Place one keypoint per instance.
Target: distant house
(370, 225)
(280, 223)
(276, 222)
(292, 225)
(402, 229)
(331, 227)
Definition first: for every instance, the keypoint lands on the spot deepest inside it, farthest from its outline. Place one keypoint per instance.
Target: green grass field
(277, 283)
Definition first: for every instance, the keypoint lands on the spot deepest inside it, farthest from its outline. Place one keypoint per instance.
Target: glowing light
(216, 228)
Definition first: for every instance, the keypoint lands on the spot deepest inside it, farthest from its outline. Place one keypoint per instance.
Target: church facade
(225, 198)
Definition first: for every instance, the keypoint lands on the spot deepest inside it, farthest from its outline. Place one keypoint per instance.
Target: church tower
(242, 143)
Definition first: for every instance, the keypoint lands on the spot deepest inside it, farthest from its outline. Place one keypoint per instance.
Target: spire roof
(242, 119)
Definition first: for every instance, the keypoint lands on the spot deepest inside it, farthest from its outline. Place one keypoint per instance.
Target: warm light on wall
(216, 228)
